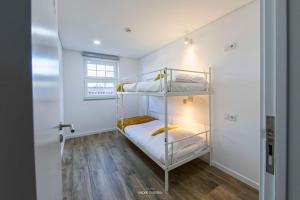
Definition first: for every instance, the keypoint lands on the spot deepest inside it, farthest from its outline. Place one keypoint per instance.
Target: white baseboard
(76, 135)
(236, 175)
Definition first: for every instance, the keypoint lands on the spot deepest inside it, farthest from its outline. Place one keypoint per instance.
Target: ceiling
(154, 23)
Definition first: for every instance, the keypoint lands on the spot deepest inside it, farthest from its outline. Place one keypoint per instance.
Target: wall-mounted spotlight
(188, 41)
(189, 99)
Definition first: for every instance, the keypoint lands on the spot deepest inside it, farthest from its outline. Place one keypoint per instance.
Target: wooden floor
(108, 166)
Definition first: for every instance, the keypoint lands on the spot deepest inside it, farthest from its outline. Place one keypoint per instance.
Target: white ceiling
(154, 23)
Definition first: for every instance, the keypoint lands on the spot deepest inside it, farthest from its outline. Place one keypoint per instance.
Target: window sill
(99, 98)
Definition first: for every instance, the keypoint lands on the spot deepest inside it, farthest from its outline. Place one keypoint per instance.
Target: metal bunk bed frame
(165, 92)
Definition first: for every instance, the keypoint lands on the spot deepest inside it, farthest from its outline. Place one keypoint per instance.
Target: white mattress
(155, 86)
(141, 134)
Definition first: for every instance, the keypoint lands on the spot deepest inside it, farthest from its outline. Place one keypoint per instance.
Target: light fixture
(188, 41)
(189, 99)
(97, 42)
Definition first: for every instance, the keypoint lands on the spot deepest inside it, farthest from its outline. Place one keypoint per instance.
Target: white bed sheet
(155, 86)
(141, 134)
(130, 87)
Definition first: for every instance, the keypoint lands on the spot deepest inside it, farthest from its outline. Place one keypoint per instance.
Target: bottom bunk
(148, 134)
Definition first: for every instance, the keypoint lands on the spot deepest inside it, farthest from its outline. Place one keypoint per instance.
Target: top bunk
(167, 82)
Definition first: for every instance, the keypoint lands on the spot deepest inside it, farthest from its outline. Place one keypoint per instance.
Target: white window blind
(100, 78)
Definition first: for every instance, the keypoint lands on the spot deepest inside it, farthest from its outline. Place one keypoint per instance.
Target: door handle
(61, 138)
(61, 126)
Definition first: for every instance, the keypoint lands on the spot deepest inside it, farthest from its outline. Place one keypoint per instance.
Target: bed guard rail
(165, 74)
(185, 138)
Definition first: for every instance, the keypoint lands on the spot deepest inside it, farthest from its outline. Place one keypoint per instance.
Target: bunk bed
(169, 147)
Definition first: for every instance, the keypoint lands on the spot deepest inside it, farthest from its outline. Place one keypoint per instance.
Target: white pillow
(189, 78)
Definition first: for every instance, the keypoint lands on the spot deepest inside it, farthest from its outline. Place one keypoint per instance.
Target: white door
(46, 100)
(273, 99)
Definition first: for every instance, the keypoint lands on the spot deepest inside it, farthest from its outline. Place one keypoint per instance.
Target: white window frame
(87, 78)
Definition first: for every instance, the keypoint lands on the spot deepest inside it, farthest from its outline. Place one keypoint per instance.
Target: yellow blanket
(162, 129)
(122, 124)
(120, 87)
(160, 76)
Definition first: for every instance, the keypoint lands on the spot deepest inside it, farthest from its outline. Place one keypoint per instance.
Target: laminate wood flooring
(108, 166)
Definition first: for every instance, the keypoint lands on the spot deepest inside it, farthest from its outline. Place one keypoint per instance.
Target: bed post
(122, 111)
(166, 132)
(117, 113)
(117, 100)
(147, 104)
(210, 117)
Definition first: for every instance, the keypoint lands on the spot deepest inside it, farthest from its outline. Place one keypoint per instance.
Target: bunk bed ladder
(117, 113)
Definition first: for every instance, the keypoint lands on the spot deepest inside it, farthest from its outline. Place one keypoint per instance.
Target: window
(100, 79)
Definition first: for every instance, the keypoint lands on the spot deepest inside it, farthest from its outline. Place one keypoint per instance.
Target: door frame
(274, 19)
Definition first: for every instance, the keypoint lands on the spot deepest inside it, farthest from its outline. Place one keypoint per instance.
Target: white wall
(61, 82)
(236, 86)
(93, 115)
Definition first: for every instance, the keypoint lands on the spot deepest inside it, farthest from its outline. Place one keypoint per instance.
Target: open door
(273, 99)
(46, 100)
